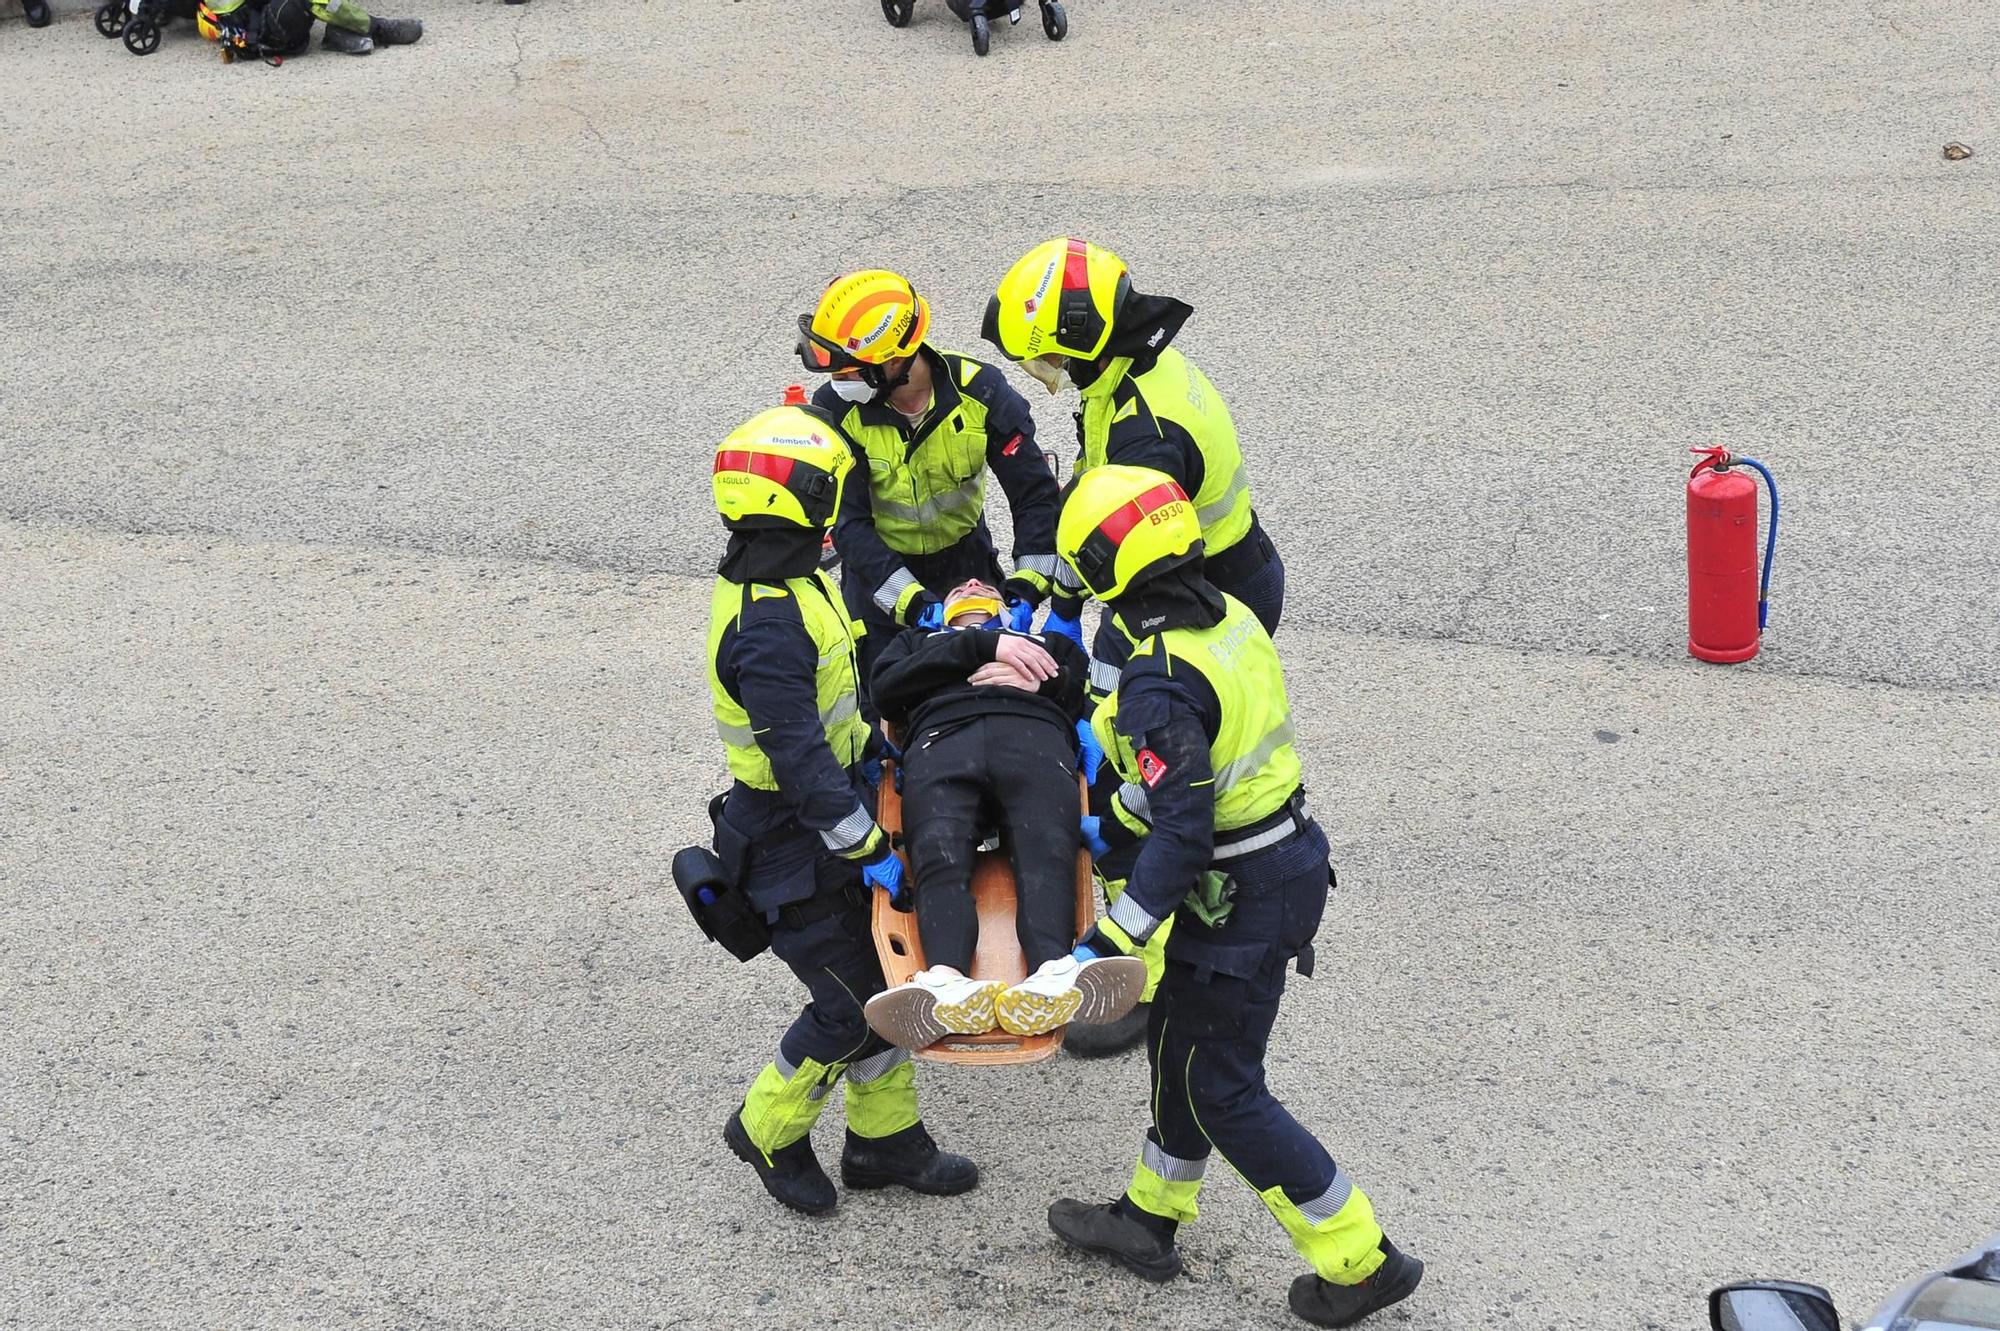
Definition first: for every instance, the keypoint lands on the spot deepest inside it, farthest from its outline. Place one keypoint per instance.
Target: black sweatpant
(1016, 773)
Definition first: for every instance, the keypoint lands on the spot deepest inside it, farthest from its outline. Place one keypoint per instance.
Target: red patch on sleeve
(1013, 447)
(1151, 770)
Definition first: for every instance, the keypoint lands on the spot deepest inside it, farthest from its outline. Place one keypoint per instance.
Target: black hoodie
(919, 682)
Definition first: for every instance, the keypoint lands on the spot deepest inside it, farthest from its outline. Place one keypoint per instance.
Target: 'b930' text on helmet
(1122, 525)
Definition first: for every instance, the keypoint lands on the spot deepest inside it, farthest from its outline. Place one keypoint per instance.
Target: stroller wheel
(110, 18)
(982, 34)
(898, 12)
(1055, 22)
(142, 37)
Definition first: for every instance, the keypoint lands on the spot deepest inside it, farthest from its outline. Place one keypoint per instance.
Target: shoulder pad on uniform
(1142, 711)
(770, 603)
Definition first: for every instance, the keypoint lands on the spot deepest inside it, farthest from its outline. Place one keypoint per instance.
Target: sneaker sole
(1025, 1012)
(914, 1019)
(976, 1013)
(1110, 988)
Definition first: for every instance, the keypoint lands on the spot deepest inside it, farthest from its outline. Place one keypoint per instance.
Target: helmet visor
(820, 355)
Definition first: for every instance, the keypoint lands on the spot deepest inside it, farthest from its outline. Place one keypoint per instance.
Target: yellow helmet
(206, 23)
(1121, 525)
(781, 468)
(864, 320)
(1060, 299)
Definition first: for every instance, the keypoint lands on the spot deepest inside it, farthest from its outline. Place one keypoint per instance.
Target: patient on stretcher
(987, 721)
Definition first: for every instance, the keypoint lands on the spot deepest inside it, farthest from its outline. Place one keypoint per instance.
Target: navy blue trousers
(1211, 1022)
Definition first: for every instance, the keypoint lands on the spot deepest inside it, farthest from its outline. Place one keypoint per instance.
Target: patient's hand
(1030, 658)
(1001, 675)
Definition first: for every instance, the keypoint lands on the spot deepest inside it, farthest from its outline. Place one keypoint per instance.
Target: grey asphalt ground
(354, 548)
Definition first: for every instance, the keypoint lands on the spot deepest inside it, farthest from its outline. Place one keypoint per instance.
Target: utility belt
(1213, 896)
(711, 882)
(1233, 566)
(1293, 817)
(1214, 893)
(812, 911)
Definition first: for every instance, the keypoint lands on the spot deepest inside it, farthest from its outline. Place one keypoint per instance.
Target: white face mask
(1047, 370)
(852, 390)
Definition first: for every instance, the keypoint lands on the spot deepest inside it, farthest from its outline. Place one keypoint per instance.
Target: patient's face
(971, 587)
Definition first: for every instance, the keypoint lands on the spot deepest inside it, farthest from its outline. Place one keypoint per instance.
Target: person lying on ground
(987, 718)
(284, 27)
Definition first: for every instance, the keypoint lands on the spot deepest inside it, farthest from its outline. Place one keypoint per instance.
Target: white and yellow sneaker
(932, 1004)
(1065, 990)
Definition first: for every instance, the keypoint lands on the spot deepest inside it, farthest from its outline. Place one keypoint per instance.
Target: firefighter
(794, 833)
(1201, 769)
(284, 27)
(1068, 307)
(929, 425)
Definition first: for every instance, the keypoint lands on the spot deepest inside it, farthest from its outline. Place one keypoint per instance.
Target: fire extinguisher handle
(1717, 458)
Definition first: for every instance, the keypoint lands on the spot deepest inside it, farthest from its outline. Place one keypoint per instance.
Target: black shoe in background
(1113, 1037)
(906, 1159)
(345, 42)
(395, 31)
(37, 12)
(1109, 1229)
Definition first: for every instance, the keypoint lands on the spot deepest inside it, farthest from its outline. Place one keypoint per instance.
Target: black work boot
(793, 1175)
(37, 12)
(395, 31)
(1324, 1303)
(1113, 1037)
(1143, 1244)
(908, 1159)
(345, 42)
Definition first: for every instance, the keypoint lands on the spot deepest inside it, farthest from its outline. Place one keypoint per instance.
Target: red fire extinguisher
(1728, 601)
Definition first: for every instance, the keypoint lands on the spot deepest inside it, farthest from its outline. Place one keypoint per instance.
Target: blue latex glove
(707, 895)
(1090, 752)
(932, 616)
(1020, 615)
(887, 874)
(1093, 838)
(1068, 628)
(871, 772)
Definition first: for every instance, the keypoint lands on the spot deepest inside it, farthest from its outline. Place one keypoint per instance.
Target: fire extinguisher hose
(1770, 538)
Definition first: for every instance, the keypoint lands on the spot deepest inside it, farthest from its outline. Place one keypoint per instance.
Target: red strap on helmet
(1127, 516)
(1076, 266)
(771, 466)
